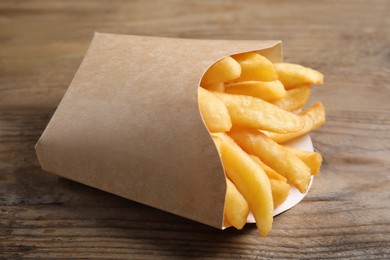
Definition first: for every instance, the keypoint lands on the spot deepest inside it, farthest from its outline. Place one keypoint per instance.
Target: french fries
(237, 209)
(295, 98)
(279, 186)
(256, 113)
(250, 179)
(218, 87)
(250, 105)
(254, 142)
(312, 159)
(280, 191)
(294, 75)
(266, 90)
(214, 112)
(314, 117)
(317, 115)
(272, 174)
(255, 67)
(223, 70)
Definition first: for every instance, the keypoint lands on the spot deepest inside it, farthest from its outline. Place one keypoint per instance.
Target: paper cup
(129, 124)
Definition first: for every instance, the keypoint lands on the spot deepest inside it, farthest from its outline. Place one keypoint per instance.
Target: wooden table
(345, 215)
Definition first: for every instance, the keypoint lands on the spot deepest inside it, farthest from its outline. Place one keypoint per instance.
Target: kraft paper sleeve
(129, 123)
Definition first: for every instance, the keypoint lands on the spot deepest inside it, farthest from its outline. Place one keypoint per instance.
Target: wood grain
(345, 215)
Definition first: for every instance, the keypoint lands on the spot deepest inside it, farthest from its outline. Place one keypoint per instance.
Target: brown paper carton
(129, 124)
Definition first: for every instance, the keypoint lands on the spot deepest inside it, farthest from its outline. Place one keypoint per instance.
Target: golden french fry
(256, 113)
(280, 138)
(219, 87)
(250, 180)
(223, 70)
(249, 92)
(255, 67)
(313, 117)
(236, 207)
(295, 98)
(279, 186)
(271, 173)
(316, 113)
(213, 111)
(294, 75)
(274, 155)
(226, 223)
(280, 191)
(312, 159)
(266, 90)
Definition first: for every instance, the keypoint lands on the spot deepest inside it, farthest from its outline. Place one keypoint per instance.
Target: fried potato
(279, 186)
(226, 222)
(219, 87)
(255, 67)
(223, 70)
(280, 138)
(266, 90)
(271, 173)
(312, 159)
(294, 75)
(253, 112)
(214, 112)
(280, 191)
(295, 98)
(316, 113)
(274, 155)
(249, 106)
(251, 181)
(236, 207)
(313, 117)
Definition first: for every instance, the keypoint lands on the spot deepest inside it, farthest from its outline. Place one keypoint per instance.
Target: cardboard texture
(129, 124)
